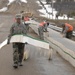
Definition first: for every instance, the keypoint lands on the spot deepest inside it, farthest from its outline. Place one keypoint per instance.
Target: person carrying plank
(18, 48)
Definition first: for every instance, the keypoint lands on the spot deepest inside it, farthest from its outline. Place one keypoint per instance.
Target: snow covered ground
(11, 1)
(49, 9)
(3, 9)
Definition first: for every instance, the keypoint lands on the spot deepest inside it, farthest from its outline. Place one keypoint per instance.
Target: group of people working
(20, 27)
(67, 30)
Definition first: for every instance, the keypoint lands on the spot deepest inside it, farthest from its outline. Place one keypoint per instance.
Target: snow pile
(38, 3)
(10, 1)
(49, 9)
(3, 9)
(25, 1)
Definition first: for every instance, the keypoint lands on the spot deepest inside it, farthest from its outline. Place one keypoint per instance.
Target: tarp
(29, 40)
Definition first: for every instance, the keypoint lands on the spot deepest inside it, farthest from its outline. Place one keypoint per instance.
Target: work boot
(15, 65)
(20, 64)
